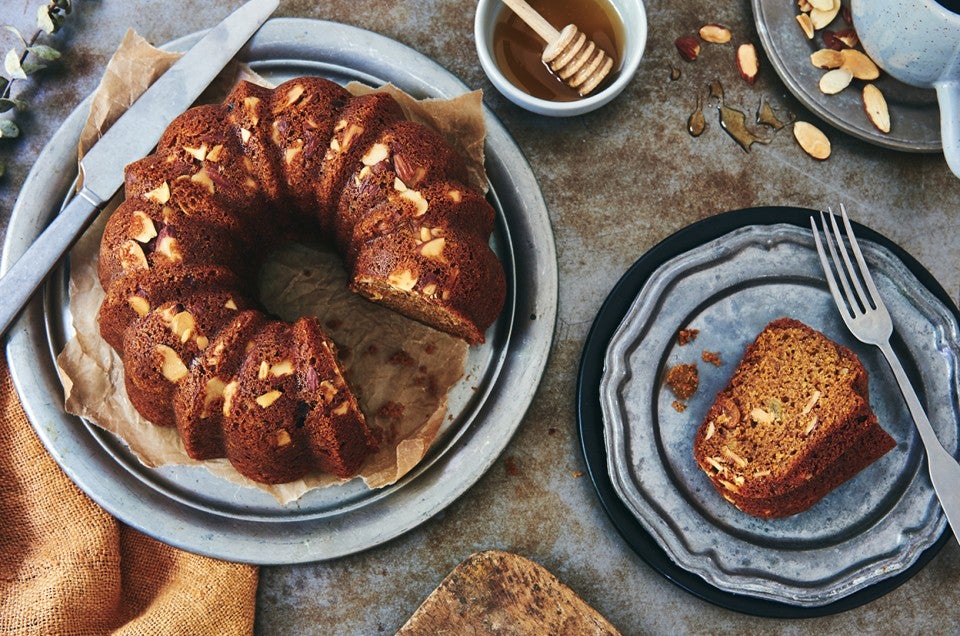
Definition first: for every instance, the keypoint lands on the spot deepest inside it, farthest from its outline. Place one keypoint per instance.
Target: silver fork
(869, 321)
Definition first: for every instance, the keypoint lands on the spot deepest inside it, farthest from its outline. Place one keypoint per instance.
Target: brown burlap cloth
(68, 567)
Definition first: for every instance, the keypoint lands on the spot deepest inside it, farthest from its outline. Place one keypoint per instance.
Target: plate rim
(590, 422)
(275, 542)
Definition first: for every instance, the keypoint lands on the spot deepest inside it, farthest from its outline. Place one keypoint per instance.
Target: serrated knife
(131, 137)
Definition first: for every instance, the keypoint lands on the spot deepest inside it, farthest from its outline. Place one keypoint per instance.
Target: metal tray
(188, 507)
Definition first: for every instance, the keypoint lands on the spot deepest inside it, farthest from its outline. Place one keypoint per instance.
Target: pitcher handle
(948, 95)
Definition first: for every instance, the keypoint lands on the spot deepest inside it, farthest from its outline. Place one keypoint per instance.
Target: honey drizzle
(734, 121)
(697, 123)
(517, 50)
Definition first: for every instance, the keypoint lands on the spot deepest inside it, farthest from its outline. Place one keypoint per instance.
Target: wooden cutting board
(495, 592)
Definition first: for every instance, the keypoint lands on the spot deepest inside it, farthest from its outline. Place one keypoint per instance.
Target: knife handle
(24, 277)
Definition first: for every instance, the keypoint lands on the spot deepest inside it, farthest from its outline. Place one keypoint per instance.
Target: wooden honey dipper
(580, 63)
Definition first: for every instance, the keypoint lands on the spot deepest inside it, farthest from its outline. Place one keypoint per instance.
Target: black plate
(590, 418)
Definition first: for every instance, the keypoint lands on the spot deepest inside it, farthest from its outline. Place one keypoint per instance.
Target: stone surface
(616, 182)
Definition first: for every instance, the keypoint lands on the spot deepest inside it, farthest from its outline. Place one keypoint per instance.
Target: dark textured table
(616, 182)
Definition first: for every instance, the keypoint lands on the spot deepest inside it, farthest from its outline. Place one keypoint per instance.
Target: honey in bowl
(517, 50)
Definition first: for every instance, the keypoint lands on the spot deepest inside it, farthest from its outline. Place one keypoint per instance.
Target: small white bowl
(634, 18)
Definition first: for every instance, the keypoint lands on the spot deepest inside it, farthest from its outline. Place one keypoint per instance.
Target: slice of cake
(793, 423)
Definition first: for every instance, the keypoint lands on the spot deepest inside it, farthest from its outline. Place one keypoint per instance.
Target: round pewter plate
(872, 527)
(188, 507)
(914, 114)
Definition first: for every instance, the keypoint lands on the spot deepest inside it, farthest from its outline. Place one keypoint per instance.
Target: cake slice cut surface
(793, 422)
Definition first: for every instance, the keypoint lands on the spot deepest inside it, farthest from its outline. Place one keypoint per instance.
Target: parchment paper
(400, 369)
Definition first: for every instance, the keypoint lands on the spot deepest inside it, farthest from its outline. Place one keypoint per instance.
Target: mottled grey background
(616, 182)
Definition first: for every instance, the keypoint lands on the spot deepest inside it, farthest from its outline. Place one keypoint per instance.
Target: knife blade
(131, 137)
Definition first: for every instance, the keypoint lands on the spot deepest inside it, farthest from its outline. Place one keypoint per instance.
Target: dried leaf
(30, 67)
(8, 129)
(16, 32)
(11, 64)
(45, 20)
(44, 52)
(6, 103)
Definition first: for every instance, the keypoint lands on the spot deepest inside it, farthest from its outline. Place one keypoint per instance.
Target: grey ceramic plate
(869, 529)
(914, 114)
(190, 508)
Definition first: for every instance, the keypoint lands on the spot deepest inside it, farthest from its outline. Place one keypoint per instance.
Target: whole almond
(715, 33)
(688, 47)
(876, 107)
(835, 81)
(812, 140)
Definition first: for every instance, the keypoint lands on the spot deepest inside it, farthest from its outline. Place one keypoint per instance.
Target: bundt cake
(793, 423)
(228, 183)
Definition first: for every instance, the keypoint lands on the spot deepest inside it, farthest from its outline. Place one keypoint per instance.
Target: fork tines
(852, 279)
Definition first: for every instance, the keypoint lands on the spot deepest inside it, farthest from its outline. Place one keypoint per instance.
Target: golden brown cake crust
(228, 183)
(793, 423)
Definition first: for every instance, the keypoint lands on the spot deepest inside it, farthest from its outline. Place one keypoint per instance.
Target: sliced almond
(826, 58)
(814, 398)
(282, 369)
(859, 64)
(419, 202)
(139, 304)
(433, 248)
(146, 229)
(822, 5)
(848, 37)
(716, 463)
(876, 107)
(835, 81)
(812, 140)
(762, 416)
(747, 62)
(737, 459)
(823, 17)
(375, 154)
(160, 194)
(715, 33)
(213, 391)
(171, 366)
(183, 325)
(806, 25)
(214, 154)
(268, 398)
(197, 153)
(403, 280)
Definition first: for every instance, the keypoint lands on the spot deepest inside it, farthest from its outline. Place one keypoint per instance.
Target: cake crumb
(711, 357)
(393, 410)
(683, 380)
(679, 406)
(687, 336)
(577, 473)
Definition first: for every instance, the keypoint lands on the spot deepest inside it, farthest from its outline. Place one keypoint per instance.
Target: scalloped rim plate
(729, 275)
